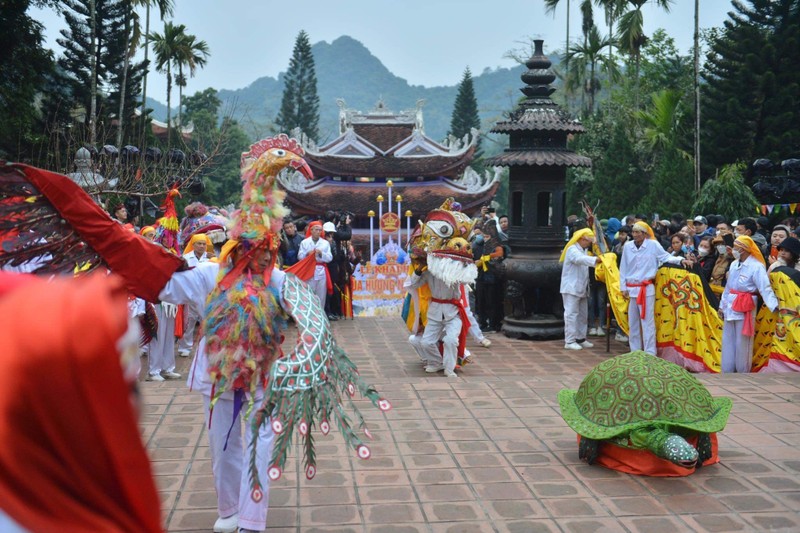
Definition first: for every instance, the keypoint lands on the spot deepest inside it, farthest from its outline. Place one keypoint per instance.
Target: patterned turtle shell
(638, 390)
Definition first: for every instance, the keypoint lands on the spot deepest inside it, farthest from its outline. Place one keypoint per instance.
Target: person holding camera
(338, 232)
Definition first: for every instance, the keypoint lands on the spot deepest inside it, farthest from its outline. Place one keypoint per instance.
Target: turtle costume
(640, 414)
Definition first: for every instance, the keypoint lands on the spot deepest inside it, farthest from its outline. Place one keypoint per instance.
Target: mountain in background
(346, 69)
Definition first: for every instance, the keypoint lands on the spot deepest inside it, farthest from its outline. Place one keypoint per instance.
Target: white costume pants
(319, 286)
(576, 309)
(162, 348)
(737, 348)
(448, 331)
(642, 332)
(230, 466)
(190, 319)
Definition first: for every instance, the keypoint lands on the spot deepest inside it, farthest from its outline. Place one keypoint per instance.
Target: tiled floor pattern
(489, 452)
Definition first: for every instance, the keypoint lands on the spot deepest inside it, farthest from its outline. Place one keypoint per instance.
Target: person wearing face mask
(706, 257)
(721, 265)
(747, 278)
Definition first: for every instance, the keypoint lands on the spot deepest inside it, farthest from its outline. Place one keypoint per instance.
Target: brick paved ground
(489, 452)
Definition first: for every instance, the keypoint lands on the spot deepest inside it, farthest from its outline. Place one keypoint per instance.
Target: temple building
(380, 146)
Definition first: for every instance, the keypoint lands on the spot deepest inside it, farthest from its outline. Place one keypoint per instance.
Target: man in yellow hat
(641, 258)
(747, 278)
(575, 288)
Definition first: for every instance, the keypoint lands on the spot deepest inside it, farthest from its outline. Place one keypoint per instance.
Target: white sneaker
(587, 344)
(600, 332)
(167, 374)
(450, 374)
(154, 377)
(227, 525)
(621, 337)
(184, 353)
(592, 331)
(573, 346)
(485, 342)
(432, 369)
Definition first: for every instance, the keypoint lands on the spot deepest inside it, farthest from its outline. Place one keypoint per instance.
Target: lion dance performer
(245, 302)
(443, 264)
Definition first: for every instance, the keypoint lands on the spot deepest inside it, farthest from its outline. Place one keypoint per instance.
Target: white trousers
(576, 310)
(319, 286)
(161, 349)
(642, 332)
(737, 348)
(189, 325)
(231, 465)
(448, 331)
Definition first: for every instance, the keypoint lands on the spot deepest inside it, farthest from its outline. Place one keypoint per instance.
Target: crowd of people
(732, 258)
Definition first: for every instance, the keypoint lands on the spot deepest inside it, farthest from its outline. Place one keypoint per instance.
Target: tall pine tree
(300, 102)
(751, 84)
(109, 52)
(465, 112)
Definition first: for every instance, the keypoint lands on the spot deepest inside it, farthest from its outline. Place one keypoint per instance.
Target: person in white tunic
(747, 278)
(641, 258)
(575, 288)
(195, 253)
(322, 249)
(229, 462)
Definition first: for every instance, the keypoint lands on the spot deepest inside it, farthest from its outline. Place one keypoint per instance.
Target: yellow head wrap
(227, 250)
(585, 232)
(747, 244)
(147, 229)
(197, 237)
(644, 227)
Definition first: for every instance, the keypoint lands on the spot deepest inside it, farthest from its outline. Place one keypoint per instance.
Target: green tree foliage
(465, 112)
(585, 62)
(752, 80)
(24, 67)
(300, 102)
(110, 50)
(727, 195)
(224, 142)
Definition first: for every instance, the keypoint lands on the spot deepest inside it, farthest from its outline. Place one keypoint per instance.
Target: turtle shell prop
(644, 404)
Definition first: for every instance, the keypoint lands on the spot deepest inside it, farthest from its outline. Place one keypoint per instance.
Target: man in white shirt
(194, 253)
(747, 277)
(641, 258)
(575, 288)
(318, 246)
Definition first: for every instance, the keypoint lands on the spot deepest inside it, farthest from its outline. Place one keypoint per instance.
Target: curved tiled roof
(360, 197)
(537, 157)
(539, 119)
(388, 166)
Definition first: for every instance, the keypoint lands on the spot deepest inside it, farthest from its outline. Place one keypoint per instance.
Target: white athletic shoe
(592, 331)
(621, 337)
(450, 374)
(184, 353)
(227, 525)
(573, 346)
(600, 332)
(167, 374)
(154, 377)
(485, 342)
(587, 344)
(432, 369)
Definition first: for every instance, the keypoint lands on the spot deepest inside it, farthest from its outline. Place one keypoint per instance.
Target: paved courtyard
(489, 452)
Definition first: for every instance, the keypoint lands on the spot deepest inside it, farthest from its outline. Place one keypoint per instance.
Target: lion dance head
(440, 242)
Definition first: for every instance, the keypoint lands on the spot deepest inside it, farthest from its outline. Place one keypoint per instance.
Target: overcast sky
(426, 42)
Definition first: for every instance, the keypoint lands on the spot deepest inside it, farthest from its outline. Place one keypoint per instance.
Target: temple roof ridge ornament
(473, 183)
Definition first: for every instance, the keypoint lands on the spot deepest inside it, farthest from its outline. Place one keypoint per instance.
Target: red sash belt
(641, 299)
(462, 313)
(743, 303)
(328, 281)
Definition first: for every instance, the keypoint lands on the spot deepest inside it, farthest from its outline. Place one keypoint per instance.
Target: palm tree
(663, 125)
(550, 8)
(589, 57)
(191, 54)
(631, 35)
(165, 8)
(696, 82)
(613, 10)
(132, 36)
(166, 48)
